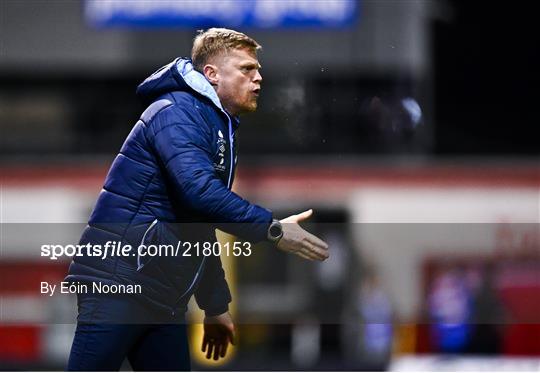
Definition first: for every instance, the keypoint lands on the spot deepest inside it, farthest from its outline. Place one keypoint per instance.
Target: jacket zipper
(173, 311)
(232, 151)
(139, 267)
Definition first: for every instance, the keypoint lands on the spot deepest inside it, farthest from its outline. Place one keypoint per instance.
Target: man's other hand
(218, 332)
(299, 241)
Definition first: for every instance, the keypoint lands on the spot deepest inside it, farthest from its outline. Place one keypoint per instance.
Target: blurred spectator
(450, 309)
(375, 309)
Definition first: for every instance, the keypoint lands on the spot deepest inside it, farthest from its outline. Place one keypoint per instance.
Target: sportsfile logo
(222, 146)
(119, 249)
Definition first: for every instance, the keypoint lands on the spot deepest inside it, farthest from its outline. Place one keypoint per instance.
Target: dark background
(472, 68)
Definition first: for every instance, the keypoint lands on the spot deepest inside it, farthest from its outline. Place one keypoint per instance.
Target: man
(171, 183)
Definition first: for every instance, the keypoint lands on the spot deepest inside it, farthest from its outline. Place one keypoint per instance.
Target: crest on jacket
(219, 165)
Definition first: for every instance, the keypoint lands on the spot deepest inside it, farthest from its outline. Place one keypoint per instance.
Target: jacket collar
(197, 81)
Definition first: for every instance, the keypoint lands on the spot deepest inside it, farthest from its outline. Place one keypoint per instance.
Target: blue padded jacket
(171, 182)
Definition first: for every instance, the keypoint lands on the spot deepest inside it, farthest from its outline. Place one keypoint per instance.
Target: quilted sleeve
(181, 140)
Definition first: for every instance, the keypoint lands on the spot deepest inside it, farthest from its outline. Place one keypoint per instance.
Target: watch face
(275, 230)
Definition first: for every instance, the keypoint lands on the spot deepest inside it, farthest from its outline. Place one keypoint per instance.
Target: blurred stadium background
(408, 126)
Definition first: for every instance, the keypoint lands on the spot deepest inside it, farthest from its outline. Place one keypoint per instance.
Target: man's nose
(258, 77)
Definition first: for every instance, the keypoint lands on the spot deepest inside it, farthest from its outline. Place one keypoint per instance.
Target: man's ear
(211, 73)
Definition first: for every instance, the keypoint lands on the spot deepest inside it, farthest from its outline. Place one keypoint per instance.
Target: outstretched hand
(218, 332)
(298, 241)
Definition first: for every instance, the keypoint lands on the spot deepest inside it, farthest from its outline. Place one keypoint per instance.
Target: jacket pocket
(171, 275)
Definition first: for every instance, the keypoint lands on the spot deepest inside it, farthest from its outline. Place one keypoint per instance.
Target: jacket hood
(178, 75)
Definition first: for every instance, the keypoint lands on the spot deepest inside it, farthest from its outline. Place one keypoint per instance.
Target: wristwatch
(275, 231)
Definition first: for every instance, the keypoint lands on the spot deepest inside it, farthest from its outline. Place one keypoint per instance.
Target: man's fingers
(302, 252)
(204, 344)
(316, 254)
(308, 250)
(217, 347)
(319, 252)
(224, 349)
(210, 347)
(316, 247)
(298, 217)
(304, 215)
(317, 241)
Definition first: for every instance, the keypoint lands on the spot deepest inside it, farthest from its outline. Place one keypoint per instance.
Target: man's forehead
(243, 55)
